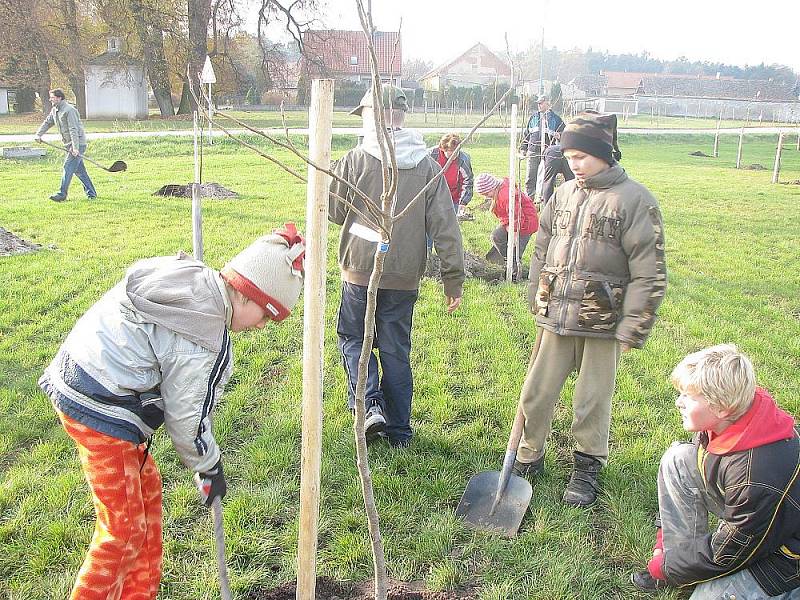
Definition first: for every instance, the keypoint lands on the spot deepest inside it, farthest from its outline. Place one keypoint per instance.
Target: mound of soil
(11, 244)
(756, 167)
(475, 267)
(699, 153)
(795, 182)
(211, 190)
(330, 589)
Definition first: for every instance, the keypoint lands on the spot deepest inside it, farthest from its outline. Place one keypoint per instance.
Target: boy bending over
(155, 350)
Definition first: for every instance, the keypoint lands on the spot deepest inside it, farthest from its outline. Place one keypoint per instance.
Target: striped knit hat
(487, 183)
(594, 134)
(270, 271)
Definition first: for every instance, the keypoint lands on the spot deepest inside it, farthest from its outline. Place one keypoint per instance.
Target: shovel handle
(63, 149)
(219, 543)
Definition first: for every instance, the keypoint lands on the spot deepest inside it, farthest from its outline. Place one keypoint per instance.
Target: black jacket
(760, 528)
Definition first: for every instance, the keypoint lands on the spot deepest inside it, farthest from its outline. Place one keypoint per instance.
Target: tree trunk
(73, 68)
(199, 13)
(152, 39)
(187, 104)
(43, 87)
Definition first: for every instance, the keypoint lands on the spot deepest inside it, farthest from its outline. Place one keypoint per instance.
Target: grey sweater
(68, 120)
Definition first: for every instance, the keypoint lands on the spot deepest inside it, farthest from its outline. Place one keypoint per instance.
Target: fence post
(776, 169)
(739, 151)
(716, 137)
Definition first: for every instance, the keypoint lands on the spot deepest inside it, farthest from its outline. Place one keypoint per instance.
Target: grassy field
(27, 124)
(732, 253)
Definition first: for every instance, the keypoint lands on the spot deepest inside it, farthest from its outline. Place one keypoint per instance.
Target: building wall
(3, 101)
(116, 92)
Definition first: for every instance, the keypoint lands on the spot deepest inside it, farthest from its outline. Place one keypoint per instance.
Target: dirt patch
(756, 167)
(330, 589)
(11, 244)
(212, 190)
(699, 153)
(475, 267)
(795, 182)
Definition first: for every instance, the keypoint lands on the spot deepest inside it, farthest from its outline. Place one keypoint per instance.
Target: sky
(732, 32)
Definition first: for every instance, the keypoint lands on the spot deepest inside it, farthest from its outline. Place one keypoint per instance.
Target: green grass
(732, 258)
(28, 124)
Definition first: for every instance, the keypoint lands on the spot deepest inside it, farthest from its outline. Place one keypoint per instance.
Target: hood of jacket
(409, 146)
(763, 424)
(181, 294)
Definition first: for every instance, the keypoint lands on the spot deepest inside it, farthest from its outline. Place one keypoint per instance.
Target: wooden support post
(716, 137)
(798, 139)
(197, 214)
(511, 249)
(776, 168)
(319, 151)
(426, 110)
(453, 113)
(739, 151)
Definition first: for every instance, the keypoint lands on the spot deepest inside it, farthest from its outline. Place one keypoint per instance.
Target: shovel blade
(478, 500)
(118, 166)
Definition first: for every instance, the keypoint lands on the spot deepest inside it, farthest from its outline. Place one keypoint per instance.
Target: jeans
(393, 389)
(73, 165)
(554, 163)
(500, 242)
(534, 158)
(683, 507)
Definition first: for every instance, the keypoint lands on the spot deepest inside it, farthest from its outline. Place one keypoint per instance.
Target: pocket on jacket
(544, 292)
(727, 544)
(600, 305)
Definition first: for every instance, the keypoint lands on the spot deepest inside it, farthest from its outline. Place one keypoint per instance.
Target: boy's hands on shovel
(211, 484)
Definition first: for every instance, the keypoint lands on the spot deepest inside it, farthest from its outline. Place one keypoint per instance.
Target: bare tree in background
(378, 214)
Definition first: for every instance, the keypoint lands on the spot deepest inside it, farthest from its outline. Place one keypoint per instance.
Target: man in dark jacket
(388, 400)
(66, 118)
(544, 123)
(742, 466)
(597, 278)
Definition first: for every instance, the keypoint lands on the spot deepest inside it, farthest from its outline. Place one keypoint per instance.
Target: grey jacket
(431, 216)
(68, 120)
(153, 350)
(598, 269)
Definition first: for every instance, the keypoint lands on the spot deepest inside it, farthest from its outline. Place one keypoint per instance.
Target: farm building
(116, 85)
(4, 101)
(477, 66)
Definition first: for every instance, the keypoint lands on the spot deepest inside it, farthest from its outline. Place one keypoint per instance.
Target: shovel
(219, 543)
(115, 168)
(497, 501)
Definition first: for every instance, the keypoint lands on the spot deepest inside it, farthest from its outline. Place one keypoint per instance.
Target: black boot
(583, 485)
(642, 580)
(529, 469)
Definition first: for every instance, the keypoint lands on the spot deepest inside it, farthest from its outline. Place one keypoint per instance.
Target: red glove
(655, 565)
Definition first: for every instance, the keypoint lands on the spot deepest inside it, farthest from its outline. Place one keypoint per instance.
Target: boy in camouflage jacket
(597, 278)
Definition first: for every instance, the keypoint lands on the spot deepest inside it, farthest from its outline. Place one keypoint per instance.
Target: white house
(476, 66)
(116, 85)
(4, 89)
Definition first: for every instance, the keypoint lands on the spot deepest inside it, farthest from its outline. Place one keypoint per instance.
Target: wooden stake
(197, 215)
(319, 151)
(716, 136)
(511, 254)
(776, 168)
(739, 151)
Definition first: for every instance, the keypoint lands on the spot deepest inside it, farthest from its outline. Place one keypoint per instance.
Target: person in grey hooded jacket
(388, 400)
(66, 118)
(155, 350)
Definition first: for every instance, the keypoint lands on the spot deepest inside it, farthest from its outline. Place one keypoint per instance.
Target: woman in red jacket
(525, 217)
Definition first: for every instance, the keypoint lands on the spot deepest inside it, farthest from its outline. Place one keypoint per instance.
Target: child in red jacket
(525, 217)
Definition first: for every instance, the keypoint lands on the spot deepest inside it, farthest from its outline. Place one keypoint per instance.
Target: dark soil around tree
(11, 244)
(330, 589)
(699, 153)
(211, 190)
(475, 267)
(756, 167)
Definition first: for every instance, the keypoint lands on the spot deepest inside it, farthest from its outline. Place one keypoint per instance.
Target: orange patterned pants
(124, 558)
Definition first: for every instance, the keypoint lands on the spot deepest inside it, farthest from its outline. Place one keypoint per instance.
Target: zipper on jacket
(562, 321)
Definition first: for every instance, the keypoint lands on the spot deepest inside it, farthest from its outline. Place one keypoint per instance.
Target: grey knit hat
(270, 271)
(393, 97)
(593, 133)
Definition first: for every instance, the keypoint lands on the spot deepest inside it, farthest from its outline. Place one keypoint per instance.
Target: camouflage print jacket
(598, 269)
